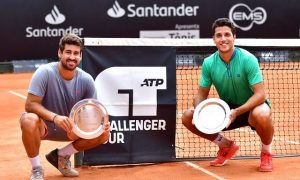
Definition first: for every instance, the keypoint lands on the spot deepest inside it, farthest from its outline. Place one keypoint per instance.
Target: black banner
(30, 29)
(137, 85)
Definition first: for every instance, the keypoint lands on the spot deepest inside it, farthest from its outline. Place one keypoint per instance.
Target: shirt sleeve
(38, 83)
(90, 88)
(205, 79)
(253, 71)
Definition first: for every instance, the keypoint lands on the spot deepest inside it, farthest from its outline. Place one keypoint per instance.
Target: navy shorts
(241, 120)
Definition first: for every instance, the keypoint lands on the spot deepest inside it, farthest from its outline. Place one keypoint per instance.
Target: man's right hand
(63, 122)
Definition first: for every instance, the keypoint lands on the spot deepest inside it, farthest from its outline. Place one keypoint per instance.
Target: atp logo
(243, 17)
(55, 17)
(116, 11)
(127, 91)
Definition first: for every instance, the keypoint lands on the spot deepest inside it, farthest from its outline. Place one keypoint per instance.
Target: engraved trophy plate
(88, 117)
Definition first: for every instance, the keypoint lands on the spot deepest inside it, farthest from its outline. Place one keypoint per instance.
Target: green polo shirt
(232, 81)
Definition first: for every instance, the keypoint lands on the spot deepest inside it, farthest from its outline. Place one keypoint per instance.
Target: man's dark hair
(71, 39)
(223, 22)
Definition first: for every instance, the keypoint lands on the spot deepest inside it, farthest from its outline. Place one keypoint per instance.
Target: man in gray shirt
(54, 89)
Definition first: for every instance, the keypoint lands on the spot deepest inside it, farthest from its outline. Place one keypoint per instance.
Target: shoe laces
(266, 158)
(224, 150)
(37, 172)
(65, 162)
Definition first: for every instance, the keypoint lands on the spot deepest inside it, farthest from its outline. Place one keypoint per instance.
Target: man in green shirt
(236, 75)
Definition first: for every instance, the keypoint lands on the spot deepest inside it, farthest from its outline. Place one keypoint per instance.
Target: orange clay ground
(14, 164)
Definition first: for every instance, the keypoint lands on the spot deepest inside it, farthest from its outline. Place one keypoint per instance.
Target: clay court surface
(15, 165)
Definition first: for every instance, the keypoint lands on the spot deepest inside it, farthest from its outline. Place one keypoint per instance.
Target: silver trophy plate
(88, 117)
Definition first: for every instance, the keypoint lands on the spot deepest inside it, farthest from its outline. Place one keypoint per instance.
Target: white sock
(221, 141)
(68, 150)
(266, 148)
(35, 161)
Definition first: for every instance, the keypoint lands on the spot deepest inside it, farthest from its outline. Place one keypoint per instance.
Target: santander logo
(55, 17)
(116, 11)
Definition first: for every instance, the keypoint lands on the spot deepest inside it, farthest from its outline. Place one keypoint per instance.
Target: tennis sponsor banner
(172, 34)
(33, 33)
(137, 86)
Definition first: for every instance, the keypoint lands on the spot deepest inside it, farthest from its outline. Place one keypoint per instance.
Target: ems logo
(243, 17)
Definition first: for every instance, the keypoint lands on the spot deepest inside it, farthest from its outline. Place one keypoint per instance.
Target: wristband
(53, 119)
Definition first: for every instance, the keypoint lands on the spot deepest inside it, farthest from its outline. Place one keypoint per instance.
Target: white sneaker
(37, 173)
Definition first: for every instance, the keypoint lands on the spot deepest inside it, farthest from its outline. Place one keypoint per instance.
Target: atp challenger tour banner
(33, 28)
(137, 85)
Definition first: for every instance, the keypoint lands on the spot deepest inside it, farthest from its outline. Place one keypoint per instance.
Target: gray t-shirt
(59, 95)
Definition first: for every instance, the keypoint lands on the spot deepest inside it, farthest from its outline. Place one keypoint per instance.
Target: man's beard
(66, 67)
